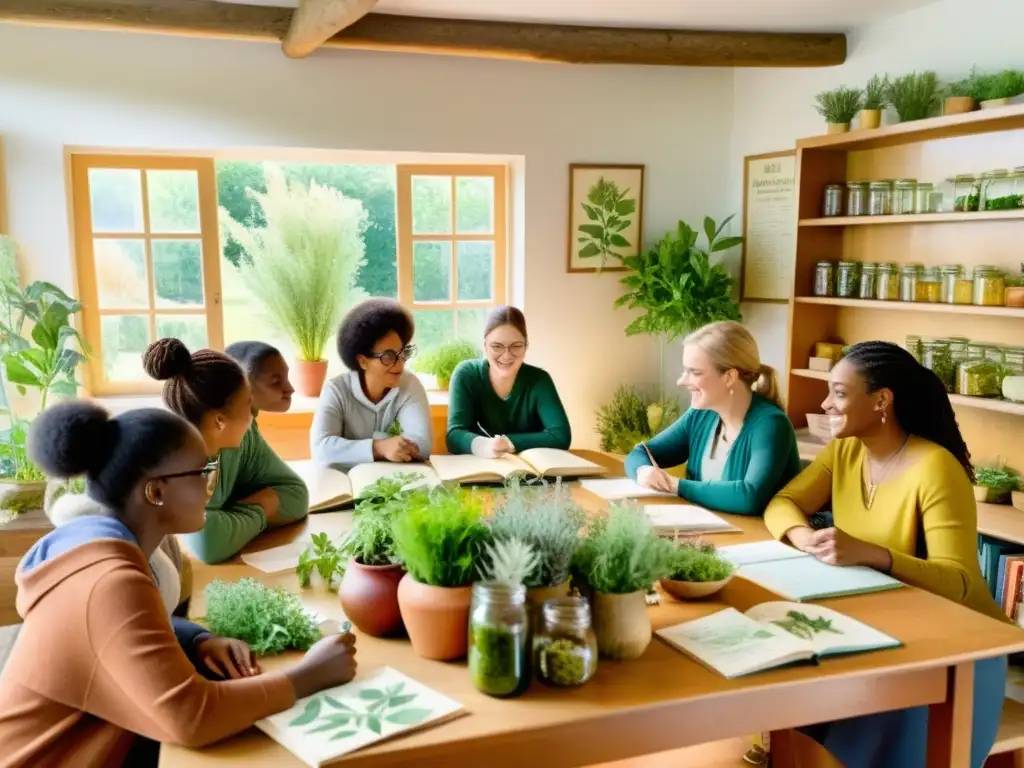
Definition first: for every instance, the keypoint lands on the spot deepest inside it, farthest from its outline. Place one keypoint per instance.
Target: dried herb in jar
(564, 662)
(497, 659)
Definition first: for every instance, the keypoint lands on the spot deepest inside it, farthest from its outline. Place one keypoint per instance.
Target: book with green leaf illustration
(373, 707)
(330, 489)
(772, 635)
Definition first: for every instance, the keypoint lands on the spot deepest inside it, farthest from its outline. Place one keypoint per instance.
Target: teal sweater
(531, 416)
(762, 460)
(231, 525)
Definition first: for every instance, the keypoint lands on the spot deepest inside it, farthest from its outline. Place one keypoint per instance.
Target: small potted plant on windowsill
(839, 107)
(697, 571)
(440, 361)
(874, 102)
(963, 95)
(915, 96)
(994, 485)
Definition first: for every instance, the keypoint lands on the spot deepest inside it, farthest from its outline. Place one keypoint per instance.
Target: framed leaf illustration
(605, 216)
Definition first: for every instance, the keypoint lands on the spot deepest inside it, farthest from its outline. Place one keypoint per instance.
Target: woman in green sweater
(738, 445)
(499, 404)
(253, 489)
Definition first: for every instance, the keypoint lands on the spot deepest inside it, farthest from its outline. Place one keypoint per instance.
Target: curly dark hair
(251, 355)
(76, 438)
(195, 383)
(367, 323)
(920, 401)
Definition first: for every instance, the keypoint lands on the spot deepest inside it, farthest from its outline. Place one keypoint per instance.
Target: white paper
(807, 578)
(686, 518)
(618, 488)
(276, 559)
(759, 552)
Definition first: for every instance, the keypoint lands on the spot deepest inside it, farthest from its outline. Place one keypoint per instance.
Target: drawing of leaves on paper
(609, 211)
(804, 627)
(343, 721)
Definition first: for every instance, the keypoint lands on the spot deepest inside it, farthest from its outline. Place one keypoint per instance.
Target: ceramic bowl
(693, 590)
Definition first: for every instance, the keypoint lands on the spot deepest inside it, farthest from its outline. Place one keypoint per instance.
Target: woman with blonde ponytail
(738, 445)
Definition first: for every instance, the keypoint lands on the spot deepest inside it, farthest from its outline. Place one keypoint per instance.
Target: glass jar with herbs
(929, 286)
(982, 377)
(965, 193)
(824, 278)
(832, 205)
(957, 286)
(909, 275)
(999, 192)
(847, 279)
(913, 346)
(880, 198)
(989, 287)
(565, 646)
(499, 655)
(868, 280)
(857, 198)
(926, 199)
(1013, 361)
(936, 357)
(887, 285)
(975, 352)
(903, 193)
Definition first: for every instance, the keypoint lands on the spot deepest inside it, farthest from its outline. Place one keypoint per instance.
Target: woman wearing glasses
(376, 410)
(500, 404)
(253, 489)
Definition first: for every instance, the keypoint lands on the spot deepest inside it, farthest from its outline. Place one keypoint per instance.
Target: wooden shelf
(1011, 728)
(807, 373)
(914, 306)
(913, 218)
(1001, 521)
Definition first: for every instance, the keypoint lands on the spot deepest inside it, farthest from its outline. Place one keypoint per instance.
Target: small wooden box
(824, 364)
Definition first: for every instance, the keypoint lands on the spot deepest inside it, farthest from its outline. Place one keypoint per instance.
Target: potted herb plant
(440, 361)
(439, 537)
(630, 418)
(874, 101)
(839, 107)
(369, 588)
(963, 95)
(302, 266)
(617, 561)
(915, 96)
(994, 485)
(1014, 291)
(998, 88)
(697, 571)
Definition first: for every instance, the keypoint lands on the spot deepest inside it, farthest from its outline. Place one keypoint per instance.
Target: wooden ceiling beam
(316, 21)
(488, 39)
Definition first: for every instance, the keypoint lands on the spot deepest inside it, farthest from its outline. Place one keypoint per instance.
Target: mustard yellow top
(932, 496)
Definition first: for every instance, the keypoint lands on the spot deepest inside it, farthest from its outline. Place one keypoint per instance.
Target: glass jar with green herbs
(824, 278)
(929, 286)
(913, 345)
(887, 284)
(880, 198)
(1013, 361)
(564, 645)
(903, 192)
(857, 198)
(989, 287)
(909, 275)
(847, 279)
(998, 192)
(868, 280)
(975, 352)
(966, 193)
(936, 357)
(982, 377)
(499, 654)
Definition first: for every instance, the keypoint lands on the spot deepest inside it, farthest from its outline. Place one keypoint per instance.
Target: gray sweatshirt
(346, 423)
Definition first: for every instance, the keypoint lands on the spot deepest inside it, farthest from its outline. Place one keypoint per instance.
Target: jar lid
(834, 186)
(881, 184)
(912, 268)
(906, 181)
(954, 269)
(848, 263)
(824, 262)
(963, 178)
(860, 183)
(999, 173)
(987, 269)
(888, 266)
(869, 265)
(574, 611)
(930, 272)
(925, 185)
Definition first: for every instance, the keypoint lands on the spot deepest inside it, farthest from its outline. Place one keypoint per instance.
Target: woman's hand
(657, 479)
(502, 445)
(836, 547)
(397, 449)
(228, 658)
(330, 662)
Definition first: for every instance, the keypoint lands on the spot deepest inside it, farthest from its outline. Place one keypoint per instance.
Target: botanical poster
(605, 215)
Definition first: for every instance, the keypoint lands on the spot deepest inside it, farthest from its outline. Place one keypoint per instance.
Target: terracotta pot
(834, 128)
(693, 590)
(369, 597)
(22, 495)
(1015, 296)
(436, 618)
(1017, 499)
(537, 596)
(309, 377)
(622, 625)
(870, 118)
(994, 103)
(957, 105)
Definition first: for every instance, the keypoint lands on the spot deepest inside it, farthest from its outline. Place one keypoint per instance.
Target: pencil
(649, 456)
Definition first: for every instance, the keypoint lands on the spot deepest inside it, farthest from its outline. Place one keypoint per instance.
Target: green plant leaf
(64, 388)
(594, 230)
(726, 243)
(592, 213)
(409, 716)
(371, 694)
(620, 241)
(625, 207)
(330, 700)
(709, 228)
(342, 735)
(373, 723)
(589, 251)
(19, 374)
(309, 713)
(397, 701)
(331, 722)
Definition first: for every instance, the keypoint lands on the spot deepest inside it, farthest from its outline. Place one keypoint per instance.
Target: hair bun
(71, 438)
(167, 358)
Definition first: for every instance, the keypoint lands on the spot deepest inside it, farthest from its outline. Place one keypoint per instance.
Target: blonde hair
(731, 346)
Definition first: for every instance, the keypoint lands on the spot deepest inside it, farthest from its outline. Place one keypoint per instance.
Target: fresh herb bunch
(325, 558)
(699, 563)
(1000, 481)
(371, 541)
(839, 106)
(631, 418)
(1002, 85)
(548, 520)
(268, 620)
(875, 93)
(440, 361)
(622, 552)
(915, 96)
(508, 561)
(386, 489)
(973, 86)
(440, 534)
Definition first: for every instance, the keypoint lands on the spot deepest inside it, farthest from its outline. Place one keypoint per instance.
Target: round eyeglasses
(389, 356)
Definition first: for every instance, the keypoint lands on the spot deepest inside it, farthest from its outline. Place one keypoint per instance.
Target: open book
(329, 488)
(371, 708)
(771, 635)
(686, 519)
(620, 488)
(538, 462)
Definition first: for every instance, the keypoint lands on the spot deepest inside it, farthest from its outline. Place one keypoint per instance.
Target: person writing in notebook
(500, 404)
(738, 445)
(899, 478)
(377, 410)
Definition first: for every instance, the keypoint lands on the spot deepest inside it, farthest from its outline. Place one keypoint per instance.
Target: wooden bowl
(693, 590)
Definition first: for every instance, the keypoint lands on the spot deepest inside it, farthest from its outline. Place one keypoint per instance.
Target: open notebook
(538, 462)
(620, 488)
(373, 707)
(686, 520)
(771, 635)
(329, 488)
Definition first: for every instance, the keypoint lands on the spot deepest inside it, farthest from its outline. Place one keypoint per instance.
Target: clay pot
(693, 590)
(309, 377)
(994, 103)
(436, 618)
(622, 625)
(537, 596)
(958, 105)
(369, 597)
(1014, 296)
(834, 128)
(870, 118)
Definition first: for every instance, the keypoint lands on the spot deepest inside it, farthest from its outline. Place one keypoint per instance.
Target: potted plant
(697, 571)
(994, 485)
(440, 361)
(631, 418)
(963, 95)
(839, 107)
(915, 96)
(874, 102)
(302, 266)
(998, 88)
(621, 556)
(548, 521)
(1014, 291)
(439, 537)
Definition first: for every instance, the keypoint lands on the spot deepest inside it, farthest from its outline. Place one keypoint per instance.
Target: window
(147, 247)
(451, 248)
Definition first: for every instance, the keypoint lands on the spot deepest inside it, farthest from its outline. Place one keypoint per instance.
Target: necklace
(872, 485)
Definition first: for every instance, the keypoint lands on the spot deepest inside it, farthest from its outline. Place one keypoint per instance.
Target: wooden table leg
(949, 723)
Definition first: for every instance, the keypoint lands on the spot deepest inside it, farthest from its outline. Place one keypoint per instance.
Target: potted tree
(874, 102)
(621, 556)
(438, 537)
(697, 571)
(302, 266)
(915, 96)
(839, 107)
(631, 418)
(440, 361)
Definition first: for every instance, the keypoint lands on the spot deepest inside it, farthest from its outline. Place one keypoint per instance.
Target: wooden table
(663, 700)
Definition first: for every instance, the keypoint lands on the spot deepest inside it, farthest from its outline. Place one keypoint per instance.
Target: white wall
(63, 87)
(772, 107)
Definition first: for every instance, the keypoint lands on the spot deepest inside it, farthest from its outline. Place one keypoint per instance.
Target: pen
(649, 456)
(486, 433)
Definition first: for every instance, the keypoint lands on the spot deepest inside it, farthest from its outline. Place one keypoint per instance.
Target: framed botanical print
(605, 216)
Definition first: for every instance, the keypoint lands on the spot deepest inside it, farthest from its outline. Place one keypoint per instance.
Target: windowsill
(120, 403)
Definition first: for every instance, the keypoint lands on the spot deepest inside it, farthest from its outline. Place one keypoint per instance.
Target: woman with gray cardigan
(377, 410)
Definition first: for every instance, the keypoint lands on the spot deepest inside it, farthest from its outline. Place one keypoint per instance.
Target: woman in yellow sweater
(899, 478)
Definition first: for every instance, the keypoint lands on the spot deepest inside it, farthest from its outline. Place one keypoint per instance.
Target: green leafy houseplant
(609, 211)
(622, 552)
(994, 485)
(630, 419)
(268, 620)
(839, 106)
(323, 557)
(874, 96)
(916, 96)
(1005, 84)
(441, 361)
(971, 87)
(698, 563)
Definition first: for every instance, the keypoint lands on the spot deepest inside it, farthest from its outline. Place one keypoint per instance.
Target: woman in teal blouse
(500, 404)
(738, 445)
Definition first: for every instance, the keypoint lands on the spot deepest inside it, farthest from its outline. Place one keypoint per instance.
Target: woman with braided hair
(899, 477)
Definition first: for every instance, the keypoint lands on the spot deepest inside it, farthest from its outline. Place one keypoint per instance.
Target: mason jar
(982, 376)
(868, 280)
(564, 645)
(909, 275)
(929, 286)
(936, 357)
(1013, 361)
(965, 193)
(499, 655)
(975, 352)
(956, 285)
(847, 279)
(998, 192)
(887, 287)
(824, 280)
(926, 199)
(857, 198)
(989, 287)
(832, 205)
(903, 194)
(880, 198)
(913, 346)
